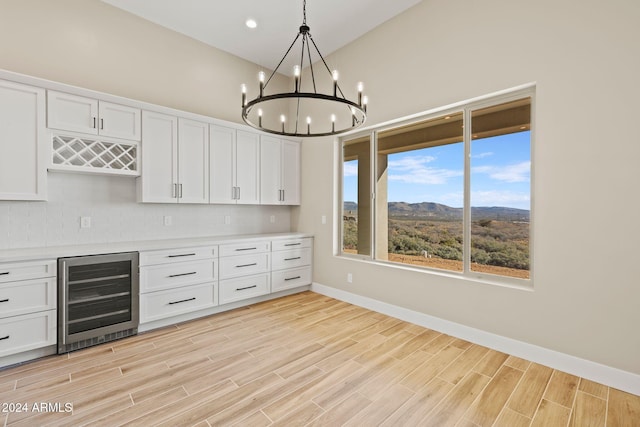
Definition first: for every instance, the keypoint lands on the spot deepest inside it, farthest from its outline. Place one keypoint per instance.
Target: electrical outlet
(349, 278)
(227, 219)
(168, 220)
(272, 219)
(324, 219)
(85, 222)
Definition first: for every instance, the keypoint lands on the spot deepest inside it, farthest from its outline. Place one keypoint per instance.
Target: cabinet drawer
(243, 265)
(157, 277)
(243, 288)
(287, 279)
(27, 270)
(284, 245)
(163, 304)
(290, 259)
(27, 296)
(27, 332)
(244, 248)
(177, 255)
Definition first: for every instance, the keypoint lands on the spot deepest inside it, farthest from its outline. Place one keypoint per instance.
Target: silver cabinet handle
(181, 301)
(293, 244)
(238, 198)
(181, 255)
(292, 278)
(174, 191)
(246, 265)
(183, 274)
(180, 192)
(248, 287)
(245, 249)
(94, 122)
(6, 273)
(102, 124)
(4, 300)
(5, 338)
(292, 259)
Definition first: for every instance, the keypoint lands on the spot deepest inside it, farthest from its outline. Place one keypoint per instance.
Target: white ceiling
(221, 23)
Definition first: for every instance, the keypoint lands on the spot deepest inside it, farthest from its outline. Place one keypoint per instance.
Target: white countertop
(52, 252)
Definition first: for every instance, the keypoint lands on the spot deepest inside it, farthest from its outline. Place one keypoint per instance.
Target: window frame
(466, 108)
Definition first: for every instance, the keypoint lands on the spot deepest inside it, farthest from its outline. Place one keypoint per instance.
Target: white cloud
(350, 169)
(482, 155)
(414, 170)
(518, 172)
(500, 198)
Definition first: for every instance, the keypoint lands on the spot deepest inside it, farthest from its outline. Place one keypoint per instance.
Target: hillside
(439, 211)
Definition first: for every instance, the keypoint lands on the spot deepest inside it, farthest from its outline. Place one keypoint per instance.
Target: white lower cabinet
(164, 304)
(172, 284)
(232, 290)
(246, 275)
(27, 308)
(291, 261)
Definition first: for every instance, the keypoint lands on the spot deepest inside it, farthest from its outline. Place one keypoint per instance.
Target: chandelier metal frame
(357, 110)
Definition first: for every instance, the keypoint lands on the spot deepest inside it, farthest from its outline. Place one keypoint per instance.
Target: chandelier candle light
(344, 114)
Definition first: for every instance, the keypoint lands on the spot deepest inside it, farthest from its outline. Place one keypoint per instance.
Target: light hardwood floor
(301, 360)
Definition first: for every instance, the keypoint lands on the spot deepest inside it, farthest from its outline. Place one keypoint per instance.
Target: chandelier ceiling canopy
(313, 112)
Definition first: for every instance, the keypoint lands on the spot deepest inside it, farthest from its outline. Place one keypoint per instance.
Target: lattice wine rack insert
(88, 154)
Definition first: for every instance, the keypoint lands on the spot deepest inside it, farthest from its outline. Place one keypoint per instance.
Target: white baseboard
(593, 371)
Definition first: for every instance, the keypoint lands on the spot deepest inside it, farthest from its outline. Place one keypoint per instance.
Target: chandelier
(314, 113)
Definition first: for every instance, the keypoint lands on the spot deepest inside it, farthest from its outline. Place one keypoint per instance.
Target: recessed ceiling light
(251, 23)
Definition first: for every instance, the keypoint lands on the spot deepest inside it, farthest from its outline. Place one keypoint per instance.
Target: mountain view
(431, 234)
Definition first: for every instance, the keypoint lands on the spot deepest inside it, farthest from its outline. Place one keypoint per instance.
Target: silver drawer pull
(4, 300)
(181, 255)
(246, 249)
(246, 265)
(292, 259)
(5, 338)
(248, 287)
(183, 274)
(181, 301)
(6, 273)
(292, 244)
(292, 278)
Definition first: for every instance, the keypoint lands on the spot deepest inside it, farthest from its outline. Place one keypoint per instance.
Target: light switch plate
(85, 222)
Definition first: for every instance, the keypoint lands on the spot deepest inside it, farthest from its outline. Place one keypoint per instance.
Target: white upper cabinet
(23, 144)
(235, 166)
(175, 166)
(193, 161)
(90, 116)
(280, 172)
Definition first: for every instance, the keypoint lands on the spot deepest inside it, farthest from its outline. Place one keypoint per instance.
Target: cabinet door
(248, 167)
(119, 121)
(193, 161)
(72, 113)
(23, 145)
(291, 172)
(270, 171)
(159, 177)
(221, 157)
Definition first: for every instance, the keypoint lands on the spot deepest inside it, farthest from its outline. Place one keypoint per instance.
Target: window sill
(485, 279)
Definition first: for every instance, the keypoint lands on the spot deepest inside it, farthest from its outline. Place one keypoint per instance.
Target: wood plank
(518, 363)
(420, 405)
(382, 408)
(456, 403)
(430, 368)
(624, 409)
(490, 363)
(510, 418)
(342, 412)
(588, 411)
(529, 392)
(594, 388)
(485, 410)
(300, 416)
(562, 388)
(551, 414)
(459, 368)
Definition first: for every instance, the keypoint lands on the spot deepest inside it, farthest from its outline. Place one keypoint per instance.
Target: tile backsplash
(110, 202)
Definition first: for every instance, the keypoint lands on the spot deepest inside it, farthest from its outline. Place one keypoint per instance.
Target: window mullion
(466, 221)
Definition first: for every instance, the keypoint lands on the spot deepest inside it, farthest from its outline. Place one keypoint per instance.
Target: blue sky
(499, 174)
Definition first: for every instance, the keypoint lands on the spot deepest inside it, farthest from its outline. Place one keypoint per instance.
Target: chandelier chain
(304, 12)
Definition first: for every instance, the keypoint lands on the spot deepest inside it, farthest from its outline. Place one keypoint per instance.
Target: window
(448, 191)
